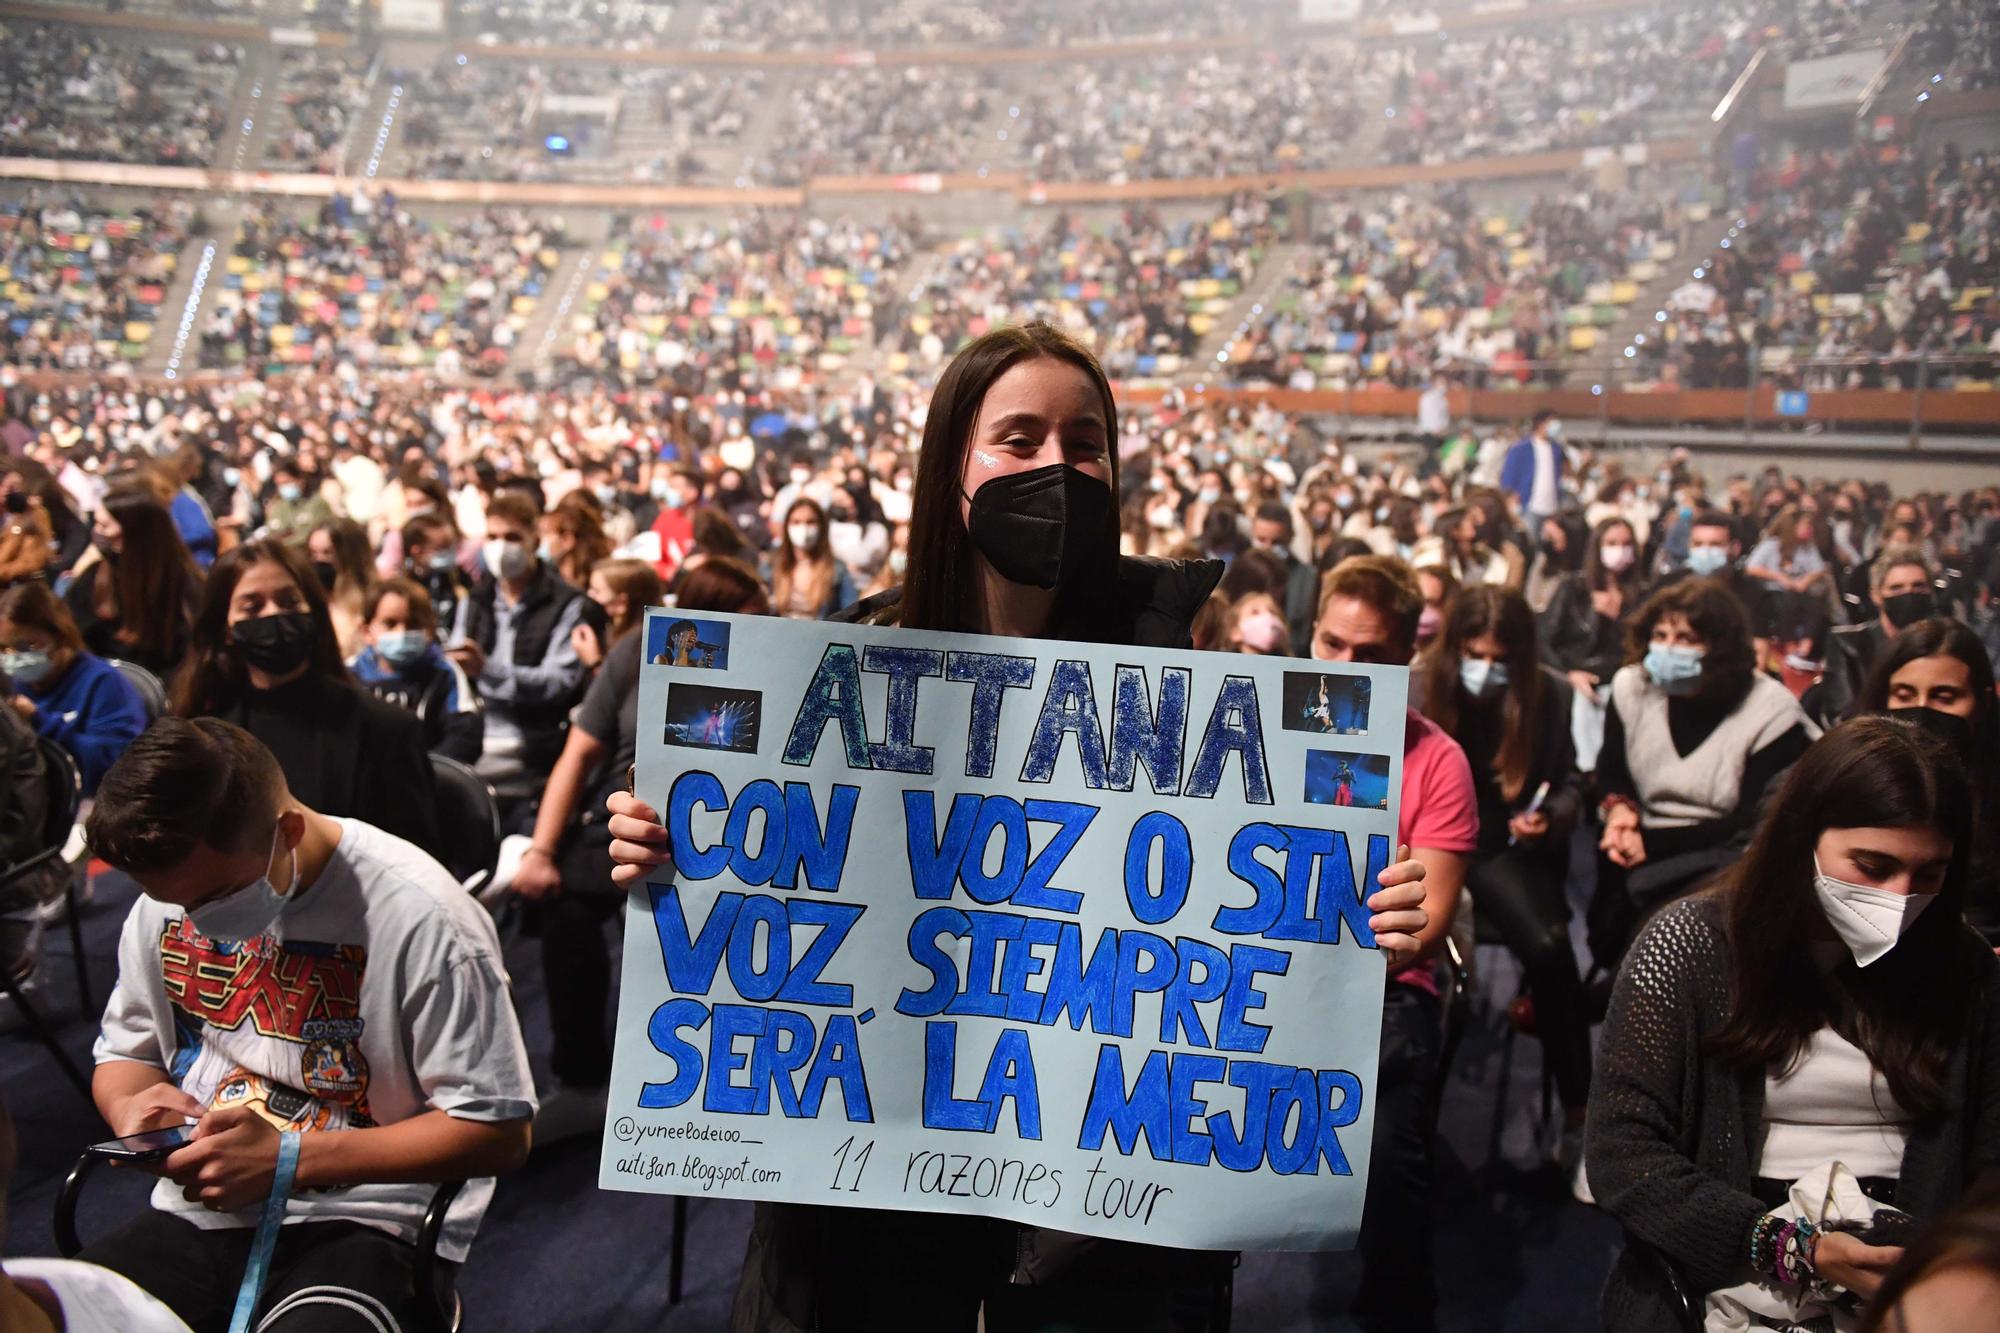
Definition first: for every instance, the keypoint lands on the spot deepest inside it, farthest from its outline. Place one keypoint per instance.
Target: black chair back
(151, 692)
(469, 816)
(65, 786)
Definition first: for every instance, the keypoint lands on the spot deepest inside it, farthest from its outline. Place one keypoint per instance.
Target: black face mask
(1907, 608)
(1950, 728)
(276, 644)
(324, 571)
(1043, 528)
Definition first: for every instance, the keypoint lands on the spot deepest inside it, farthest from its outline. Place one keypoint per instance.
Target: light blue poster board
(1063, 933)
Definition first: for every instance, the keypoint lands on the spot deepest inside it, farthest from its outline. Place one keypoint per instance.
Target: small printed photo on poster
(1326, 705)
(688, 642)
(1335, 777)
(708, 717)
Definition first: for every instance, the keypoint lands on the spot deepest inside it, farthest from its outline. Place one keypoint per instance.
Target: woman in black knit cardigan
(1736, 997)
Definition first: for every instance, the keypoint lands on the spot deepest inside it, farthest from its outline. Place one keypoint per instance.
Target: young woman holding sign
(1013, 532)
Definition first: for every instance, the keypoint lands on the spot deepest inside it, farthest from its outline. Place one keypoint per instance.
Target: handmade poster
(1063, 933)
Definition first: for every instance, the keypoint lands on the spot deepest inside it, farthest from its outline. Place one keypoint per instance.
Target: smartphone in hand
(151, 1146)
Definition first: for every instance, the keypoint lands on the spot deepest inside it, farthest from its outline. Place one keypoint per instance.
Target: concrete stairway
(547, 328)
(1698, 242)
(175, 348)
(251, 112)
(1281, 261)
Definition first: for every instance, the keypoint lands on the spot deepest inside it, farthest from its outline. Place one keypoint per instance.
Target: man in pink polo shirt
(1368, 613)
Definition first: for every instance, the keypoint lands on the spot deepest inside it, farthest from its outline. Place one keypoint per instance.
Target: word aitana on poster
(1047, 931)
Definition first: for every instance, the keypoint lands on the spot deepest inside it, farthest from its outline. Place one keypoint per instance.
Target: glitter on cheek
(984, 459)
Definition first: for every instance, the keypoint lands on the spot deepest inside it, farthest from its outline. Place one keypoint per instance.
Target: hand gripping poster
(1069, 934)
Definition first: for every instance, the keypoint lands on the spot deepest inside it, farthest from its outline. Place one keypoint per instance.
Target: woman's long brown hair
(1485, 608)
(937, 590)
(151, 581)
(1908, 1010)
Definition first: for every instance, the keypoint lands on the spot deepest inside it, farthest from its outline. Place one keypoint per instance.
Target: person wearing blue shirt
(67, 693)
(403, 665)
(1533, 470)
(196, 526)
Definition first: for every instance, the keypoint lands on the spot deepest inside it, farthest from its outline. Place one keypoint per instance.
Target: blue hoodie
(92, 711)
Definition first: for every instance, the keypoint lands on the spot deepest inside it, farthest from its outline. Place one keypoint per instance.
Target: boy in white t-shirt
(289, 971)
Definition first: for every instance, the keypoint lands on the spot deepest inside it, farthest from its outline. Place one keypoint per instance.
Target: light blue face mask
(289, 493)
(1706, 560)
(251, 910)
(401, 647)
(1482, 679)
(1676, 669)
(25, 668)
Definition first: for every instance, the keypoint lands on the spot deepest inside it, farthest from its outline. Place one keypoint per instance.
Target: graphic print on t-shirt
(268, 1025)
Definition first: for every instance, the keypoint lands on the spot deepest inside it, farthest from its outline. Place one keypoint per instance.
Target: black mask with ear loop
(1907, 608)
(1950, 728)
(1042, 528)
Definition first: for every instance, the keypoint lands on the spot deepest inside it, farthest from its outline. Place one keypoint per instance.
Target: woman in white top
(1826, 1003)
(1694, 738)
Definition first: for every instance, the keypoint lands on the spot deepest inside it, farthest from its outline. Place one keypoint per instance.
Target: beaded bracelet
(1782, 1248)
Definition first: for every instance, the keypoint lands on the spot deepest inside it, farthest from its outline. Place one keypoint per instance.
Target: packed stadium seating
(380, 288)
(81, 284)
(76, 93)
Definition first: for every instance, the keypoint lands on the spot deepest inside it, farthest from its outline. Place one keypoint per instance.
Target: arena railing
(1946, 396)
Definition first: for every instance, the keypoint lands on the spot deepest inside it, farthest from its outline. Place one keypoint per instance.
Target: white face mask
(1868, 919)
(803, 535)
(1617, 559)
(250, 910)
(505, 559)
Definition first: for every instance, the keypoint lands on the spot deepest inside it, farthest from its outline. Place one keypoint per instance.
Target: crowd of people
(80, 283)
(1621, 76)
(761, 299)
(340, 576)
(364, 283)
(1388, 292)
(70, 92)
(1846, 268)
(1735, 725)
(1841, 271)
(635, 24)
(324, 96)
(1294, 100)
(776, 25)
(1145, 289)
(471, 117)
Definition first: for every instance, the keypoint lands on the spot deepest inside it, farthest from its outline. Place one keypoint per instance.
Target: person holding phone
(1824, 1002)
(1014, 533)
(1483, 682)
(398, 1060)
(25, 536)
